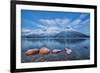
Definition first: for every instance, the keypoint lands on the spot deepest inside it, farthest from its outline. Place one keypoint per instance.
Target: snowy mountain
(55, 34)
(71, 34)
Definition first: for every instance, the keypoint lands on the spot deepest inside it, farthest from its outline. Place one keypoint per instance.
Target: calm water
(80, 48)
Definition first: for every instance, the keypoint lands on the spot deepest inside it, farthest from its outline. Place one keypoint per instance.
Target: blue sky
(54, 22)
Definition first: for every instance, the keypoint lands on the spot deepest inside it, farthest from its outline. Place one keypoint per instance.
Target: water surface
(80, 49)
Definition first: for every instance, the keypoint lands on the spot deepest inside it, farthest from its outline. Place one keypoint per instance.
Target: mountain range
(62, 34)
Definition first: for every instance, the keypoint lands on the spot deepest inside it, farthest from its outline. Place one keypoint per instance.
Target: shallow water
(80, 49)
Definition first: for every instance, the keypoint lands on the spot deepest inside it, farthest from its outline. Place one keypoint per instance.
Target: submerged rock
(44, 51)
(68, 51)
(85, 47)
(55, 51)
(31, 52)
(39, 59)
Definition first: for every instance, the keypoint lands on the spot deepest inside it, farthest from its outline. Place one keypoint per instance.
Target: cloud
(56, 25)
(80, 21)
(82, 16)
(87, 21)
(47, 22)
(26, 30)
(52, 30)
(49, 31)
(63, 23)
(58, 22)
(75, 22)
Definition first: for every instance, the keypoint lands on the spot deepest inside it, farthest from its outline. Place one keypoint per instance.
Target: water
(80, 49)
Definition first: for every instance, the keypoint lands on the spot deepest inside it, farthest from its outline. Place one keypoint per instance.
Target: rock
(68, 51)
(55, 51)
(39, 59)
(31, 52)
(85, 47)
(44, 51)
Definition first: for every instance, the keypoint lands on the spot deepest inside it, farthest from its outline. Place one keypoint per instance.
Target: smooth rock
(55, 51)
(68, 51)
(31, 52)
(44, 51)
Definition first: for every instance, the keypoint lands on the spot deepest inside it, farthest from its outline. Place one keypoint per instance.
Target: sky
(51, 22)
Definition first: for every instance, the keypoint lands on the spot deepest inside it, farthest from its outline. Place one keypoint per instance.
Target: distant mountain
(71, 34)
(33, 36)
(63, 34)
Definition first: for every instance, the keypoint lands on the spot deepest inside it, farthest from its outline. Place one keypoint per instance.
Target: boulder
(31, 52)
(68, 51)
(55, 51)
(44, 51)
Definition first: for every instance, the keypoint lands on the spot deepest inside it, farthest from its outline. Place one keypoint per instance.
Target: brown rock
(44, 51)
(31, 52)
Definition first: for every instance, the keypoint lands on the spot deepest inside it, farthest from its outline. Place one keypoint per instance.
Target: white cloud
(62, 23)
(80, 21)
(26, 30)
(56, 25)
(47, 22)
(52, 31)
(75, 22)
(58, 22)
(36, 31)
(49, 31)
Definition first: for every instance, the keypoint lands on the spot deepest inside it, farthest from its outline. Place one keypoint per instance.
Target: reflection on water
(80, 47)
